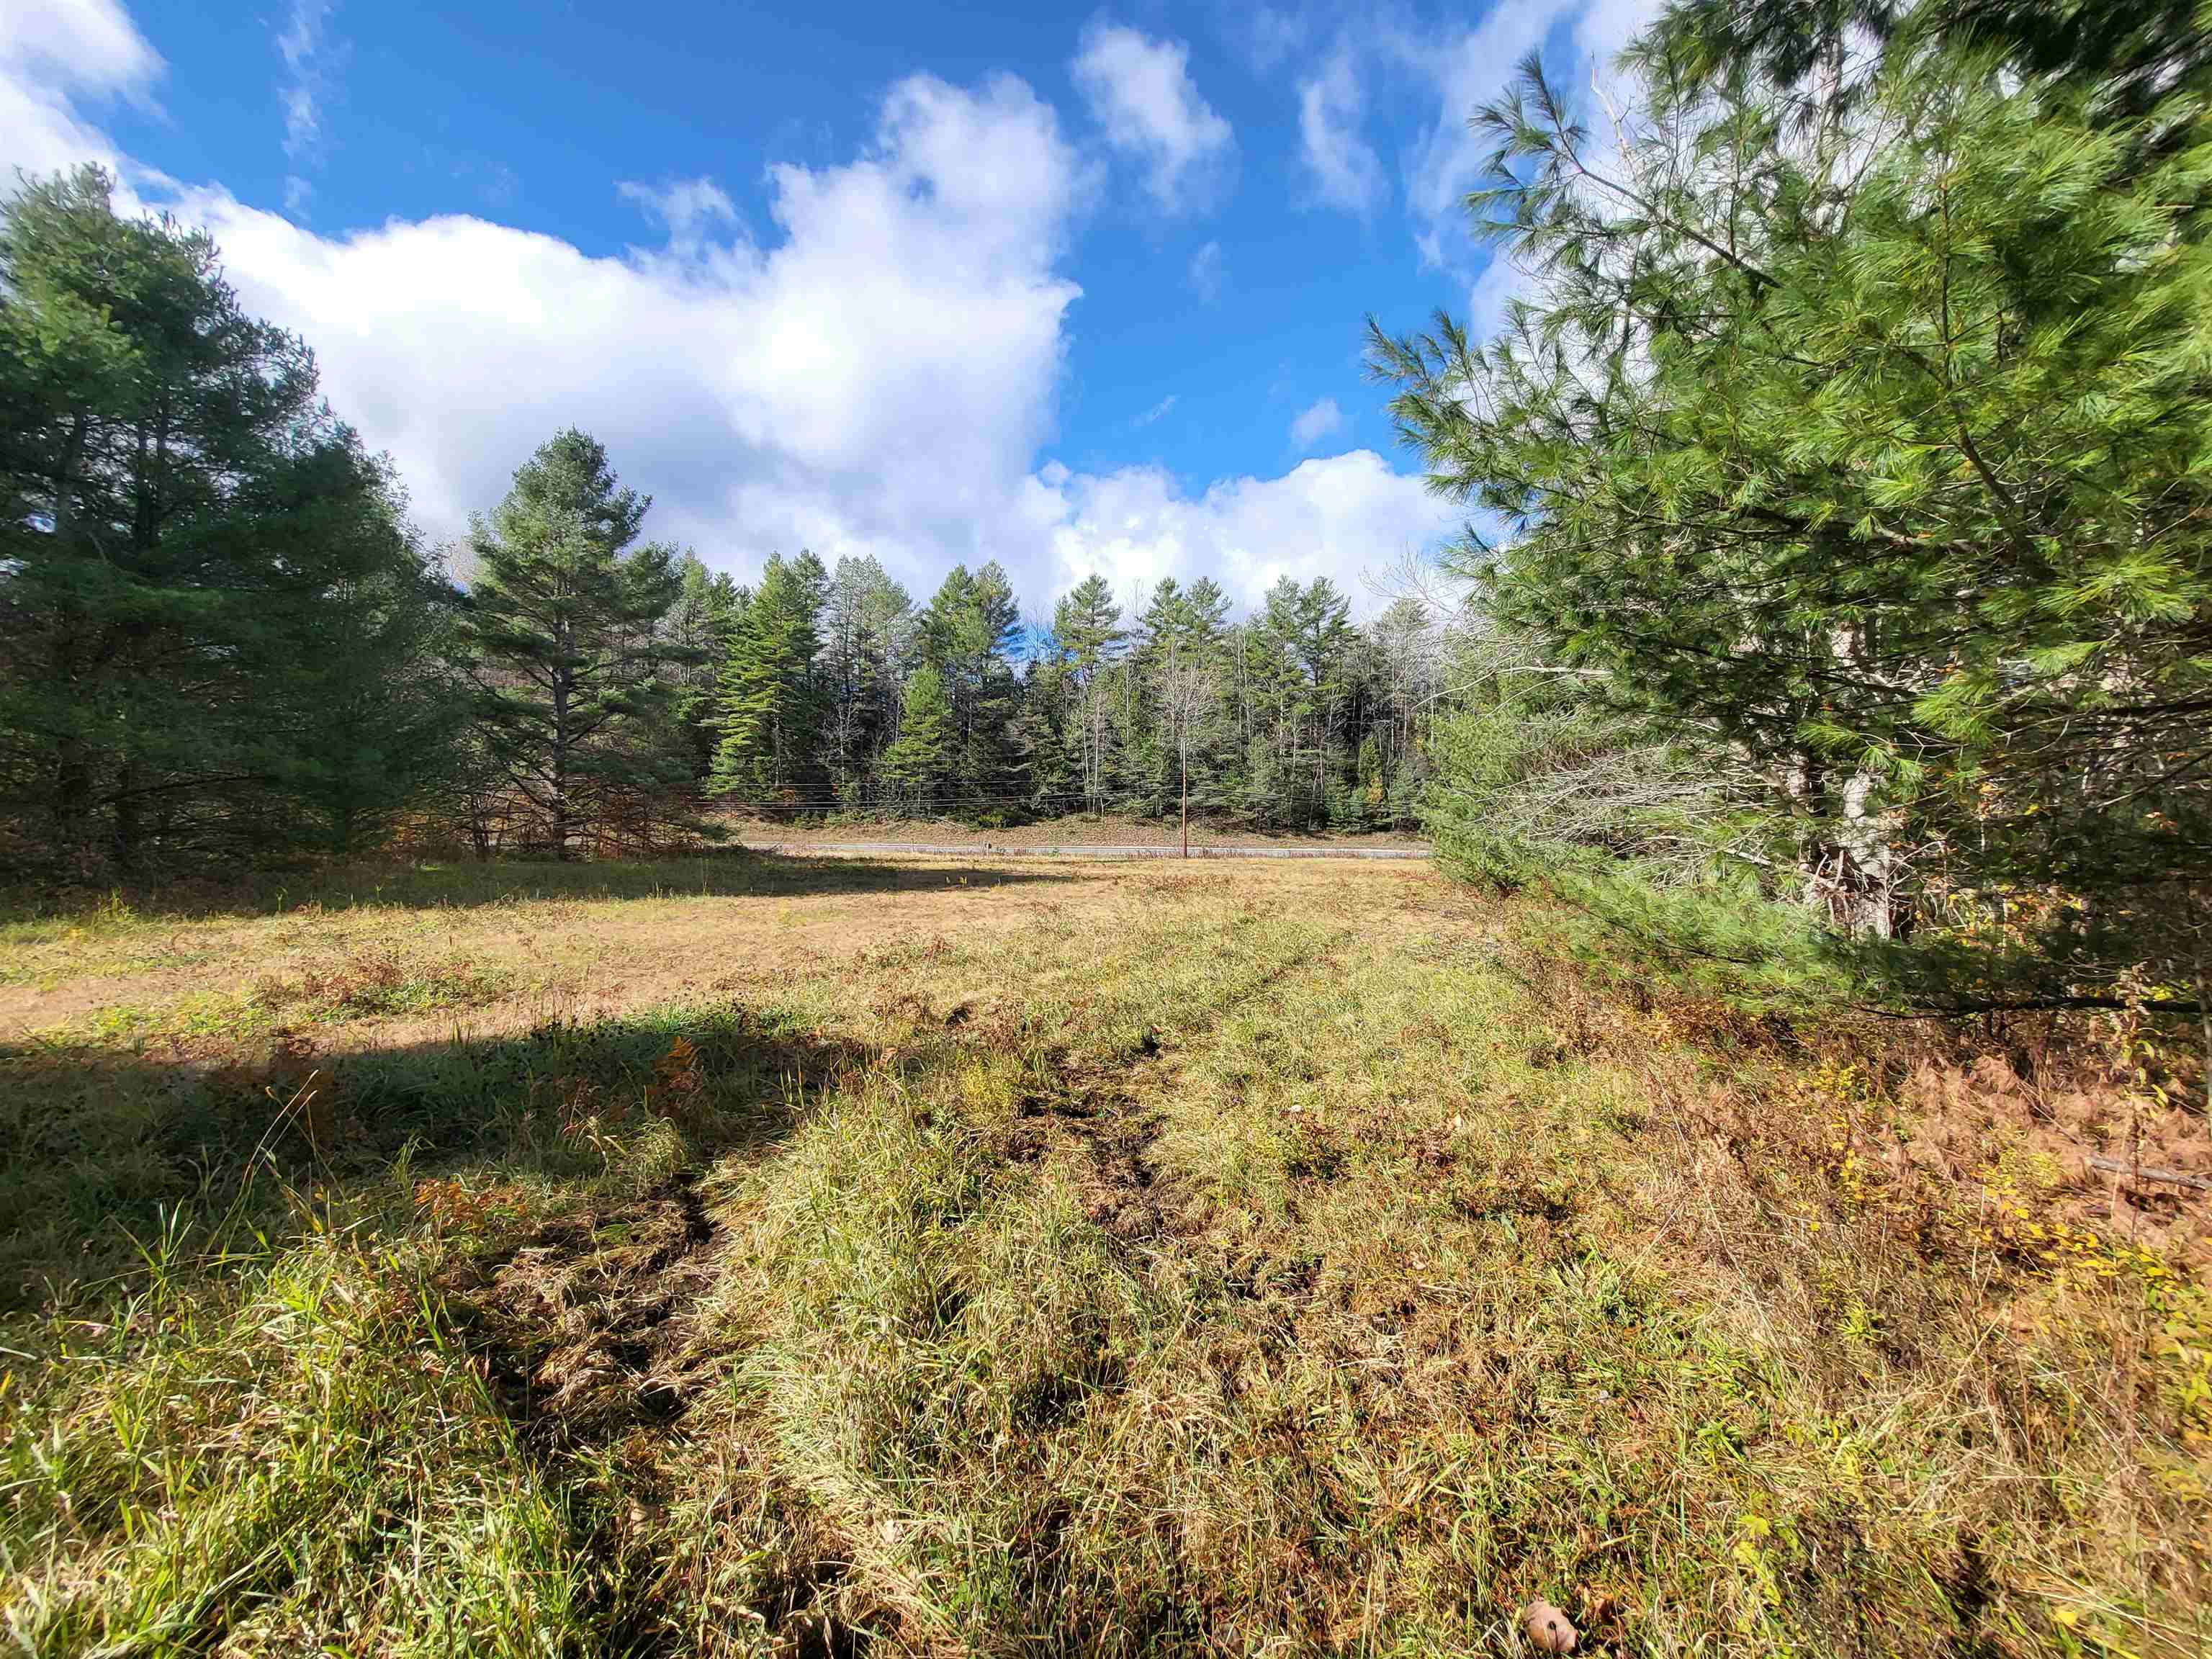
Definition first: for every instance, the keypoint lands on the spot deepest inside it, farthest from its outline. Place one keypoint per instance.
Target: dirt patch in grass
(378, 982)
(587, 1326)
(594, 1337)
(1100, 1113)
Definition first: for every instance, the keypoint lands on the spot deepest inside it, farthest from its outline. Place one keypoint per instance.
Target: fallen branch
(2121, 1166)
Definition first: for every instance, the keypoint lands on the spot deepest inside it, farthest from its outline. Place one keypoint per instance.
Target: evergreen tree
(769, 703)
(1294, 667)
(574, 670)
(699, 625)
(201, 574)
(378, 711)
(1086, 626)
(1856, 422)
(919, 763)
(867, 620)
(968, 634)
(1088, 635)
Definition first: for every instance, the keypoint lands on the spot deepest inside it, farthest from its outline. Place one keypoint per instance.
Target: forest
(225, 640)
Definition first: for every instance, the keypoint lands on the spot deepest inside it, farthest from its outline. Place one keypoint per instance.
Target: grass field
(760, 1256)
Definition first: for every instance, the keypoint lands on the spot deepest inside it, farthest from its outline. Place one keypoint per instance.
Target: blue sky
(1077, 289)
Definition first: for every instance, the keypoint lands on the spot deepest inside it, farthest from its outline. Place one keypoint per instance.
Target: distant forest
(223, 639)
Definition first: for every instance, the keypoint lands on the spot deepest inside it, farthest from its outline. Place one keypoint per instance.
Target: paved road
(974, 850)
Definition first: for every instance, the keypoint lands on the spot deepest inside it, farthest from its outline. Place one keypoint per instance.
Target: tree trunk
(1866, 840)
(1186, 792)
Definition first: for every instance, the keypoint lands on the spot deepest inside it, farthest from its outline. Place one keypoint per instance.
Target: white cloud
(53, 53)
(876, 381)
(876, 374)
(1156, 410)
(693, 211)
(1205, 272)
(1491, 297)
(1342, 165)
(299, 43)
(1268, 34)
(1140, 91)
(1315, 422)
(1339, 517)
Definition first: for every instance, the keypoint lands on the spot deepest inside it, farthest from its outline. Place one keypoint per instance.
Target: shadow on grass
(100, 1151)
(735, 872)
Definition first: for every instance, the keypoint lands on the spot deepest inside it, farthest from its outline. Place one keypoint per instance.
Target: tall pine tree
(700, 624)
(1086, 628)
(769, 703)
(573, 687)
(202, 578)
(919, 763)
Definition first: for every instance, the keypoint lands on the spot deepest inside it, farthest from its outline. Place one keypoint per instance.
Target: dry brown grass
(1295, 1258)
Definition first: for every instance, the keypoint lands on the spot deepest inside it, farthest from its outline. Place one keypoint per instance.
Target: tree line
(835, 688)
(222, 639)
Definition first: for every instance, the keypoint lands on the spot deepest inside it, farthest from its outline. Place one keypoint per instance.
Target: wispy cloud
(1205, 272)
(1155, 411)
(1580, 40)
(1270, 35)
(1315, 422)
(1343, 166)
(300, 44)
(1141, 92)
(697, 212)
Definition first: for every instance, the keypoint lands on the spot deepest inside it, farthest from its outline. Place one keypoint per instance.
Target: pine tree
(202, 575)
(968, 634)
(1877, 465)
(867, 619)
(919, 763)
(379, 704)
(699, 625)
(769, 702)
(1087, 632)
(573, 684)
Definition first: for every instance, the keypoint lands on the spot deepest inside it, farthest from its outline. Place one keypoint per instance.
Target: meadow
(751, 1255)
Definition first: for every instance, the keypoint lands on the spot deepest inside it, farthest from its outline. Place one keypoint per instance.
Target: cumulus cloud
(876, 381)
(695, 212)
(876, 372)
(1341, 165)
(1315, 422)
(1340, 516)
(1140, 91)
(53, 55)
